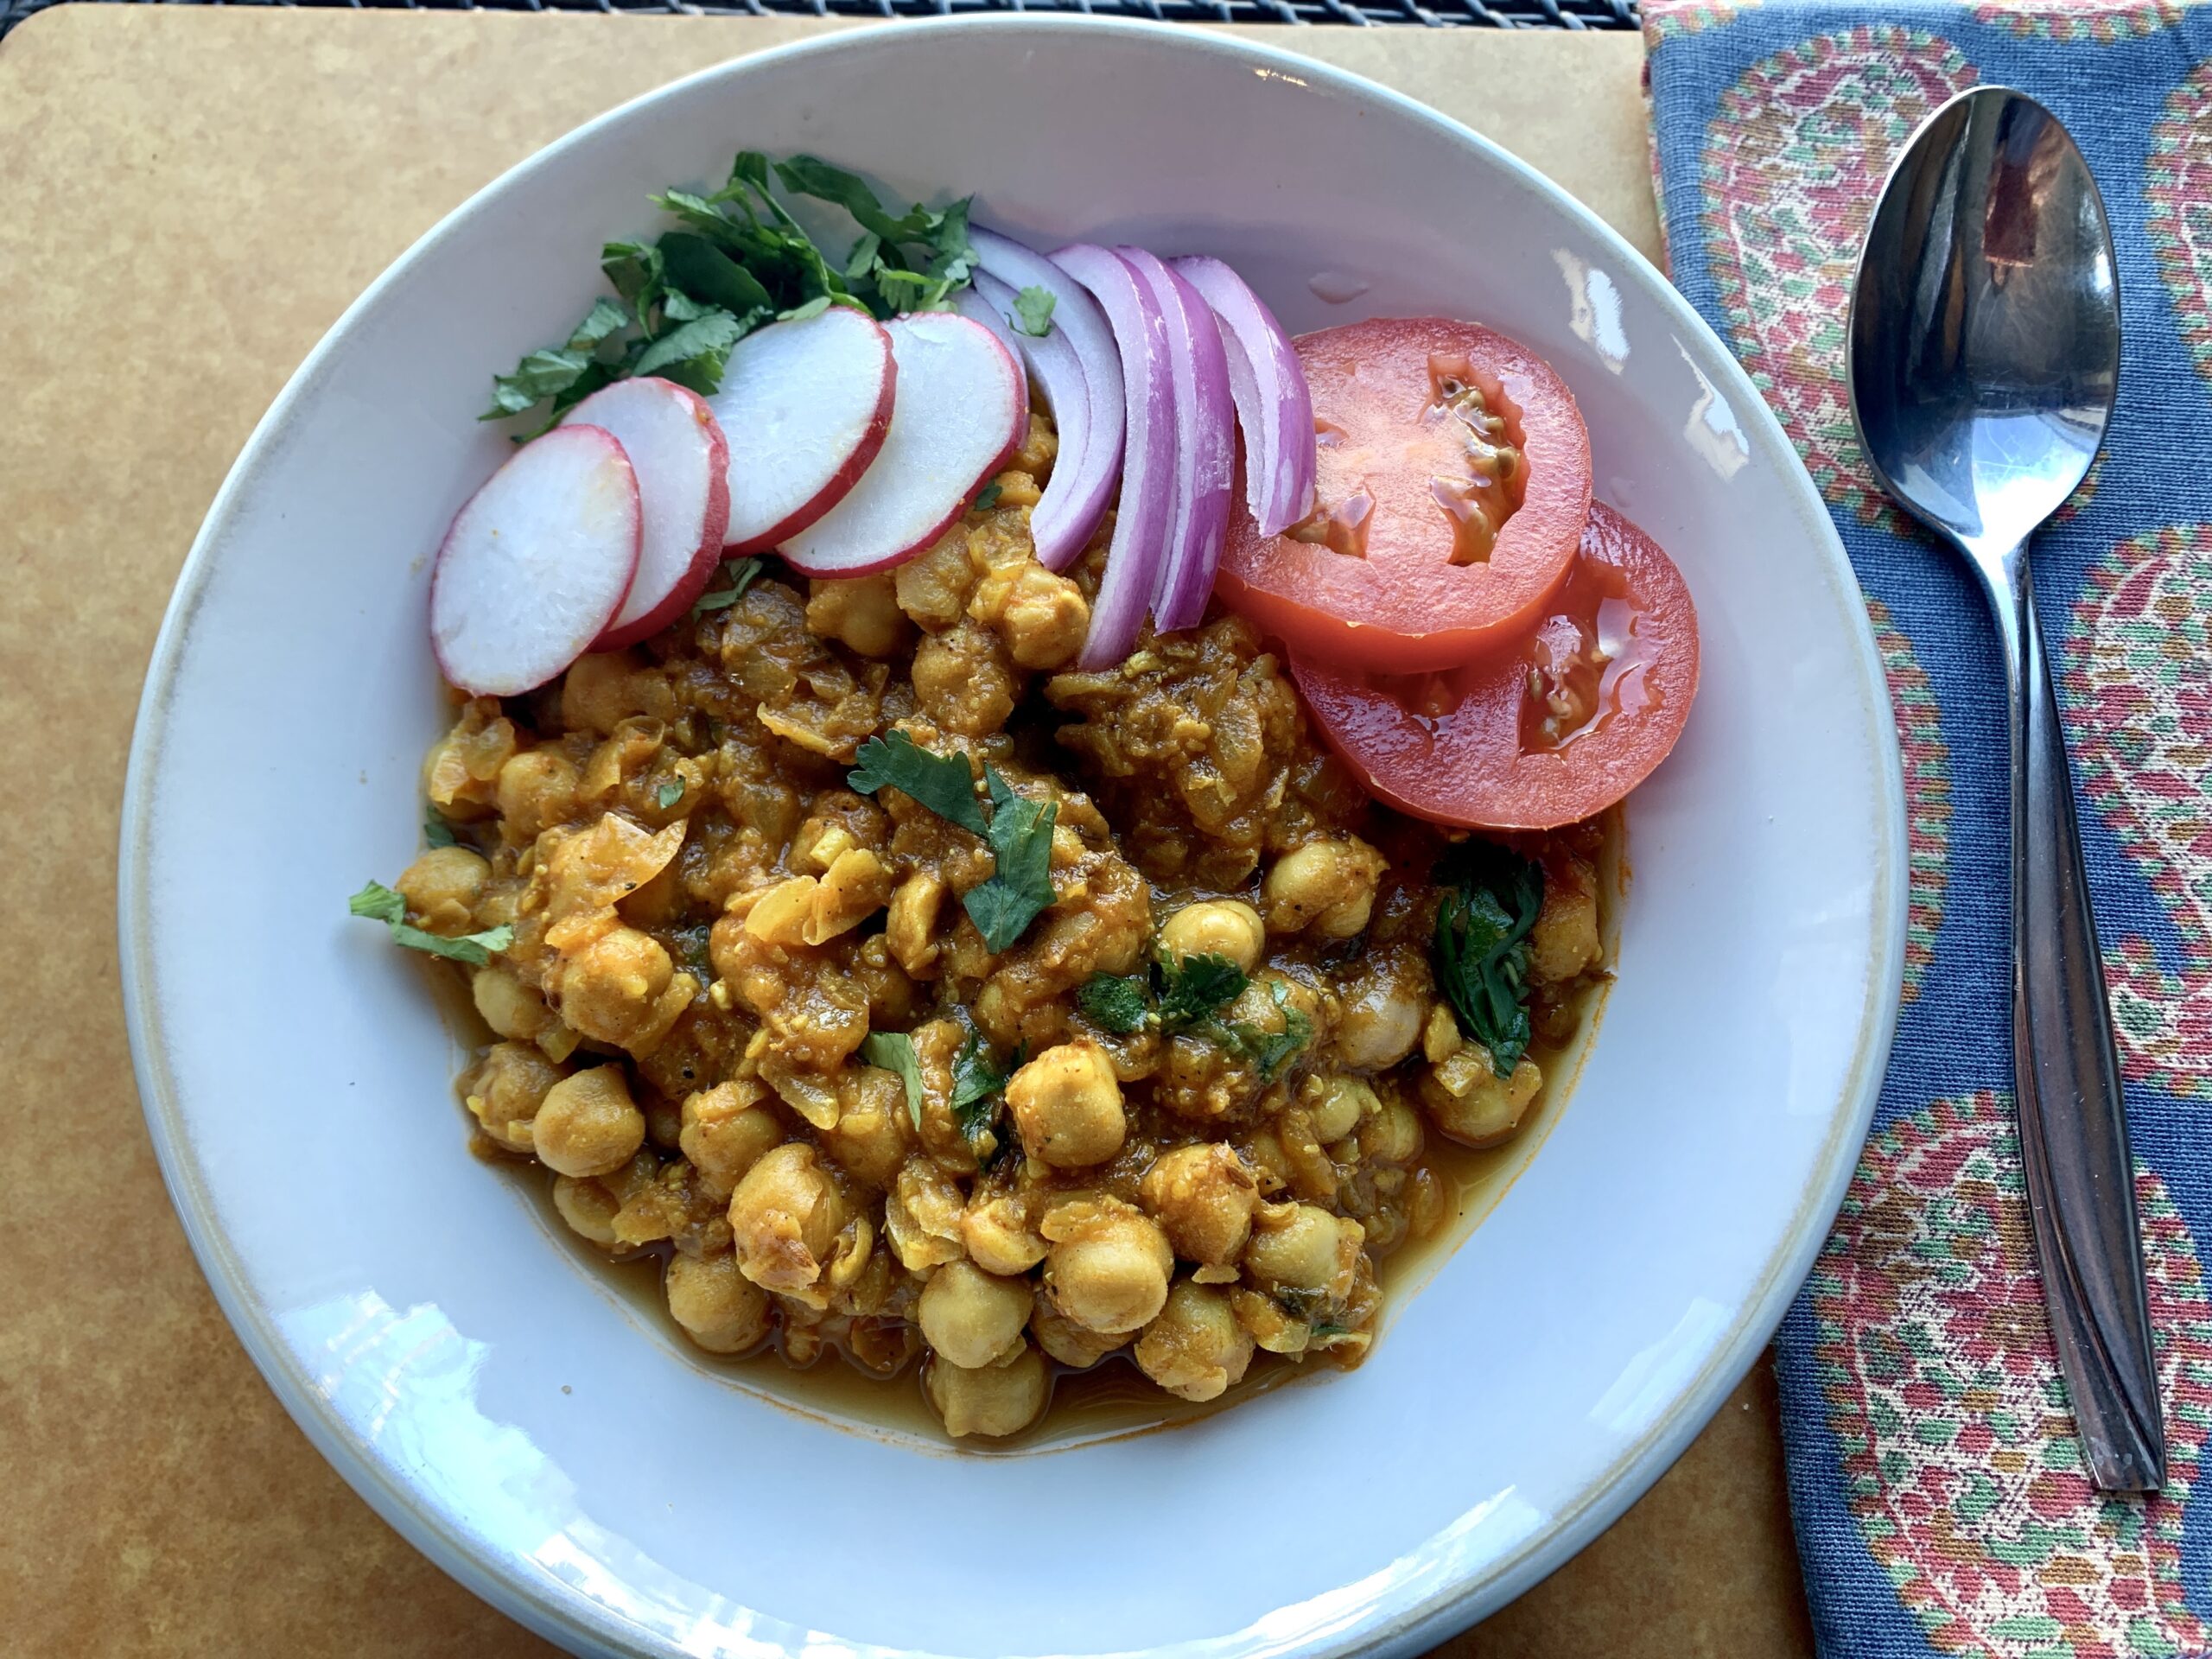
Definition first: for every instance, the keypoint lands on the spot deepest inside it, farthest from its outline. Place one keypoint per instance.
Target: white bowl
(516, 1419)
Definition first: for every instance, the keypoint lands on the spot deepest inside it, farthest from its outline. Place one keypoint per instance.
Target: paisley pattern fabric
(1936, 1483)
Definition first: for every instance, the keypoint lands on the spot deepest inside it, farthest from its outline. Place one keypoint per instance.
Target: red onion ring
(1273, 405)
(1205, 445)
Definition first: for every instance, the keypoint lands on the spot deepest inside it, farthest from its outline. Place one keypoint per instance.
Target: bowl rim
(559, 1613)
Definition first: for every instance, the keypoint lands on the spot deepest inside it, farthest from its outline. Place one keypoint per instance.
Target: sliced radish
(1205, 446)
(961, 411)
(537, 563)
(1274, 404)
(804, 406)
(1148, 499)
(1084, 476)
(675, 448)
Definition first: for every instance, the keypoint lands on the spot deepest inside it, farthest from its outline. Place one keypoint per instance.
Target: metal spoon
(1984, 364)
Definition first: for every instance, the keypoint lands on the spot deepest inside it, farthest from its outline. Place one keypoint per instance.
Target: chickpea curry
(918, 997)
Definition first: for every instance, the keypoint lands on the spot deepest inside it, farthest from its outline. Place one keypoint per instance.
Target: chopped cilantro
(1114, 1003)
(1268, 1051)
(379, 903)
(894, 1052)
(940, 782)
(436, 832)
(977, 1086)
(1020, 835)
(987, 498)
(1194, 989)
(736, 575)
(669, 793)
(1033, 311)
(565, 373)
(1481, 948)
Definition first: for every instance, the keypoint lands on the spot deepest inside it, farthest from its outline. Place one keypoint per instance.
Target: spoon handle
(2073, 1117)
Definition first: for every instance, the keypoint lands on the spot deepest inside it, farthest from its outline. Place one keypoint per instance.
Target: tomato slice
(1454, 477)
(1544, 735)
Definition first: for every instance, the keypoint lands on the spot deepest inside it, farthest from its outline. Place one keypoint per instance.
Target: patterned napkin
(1940, 1499)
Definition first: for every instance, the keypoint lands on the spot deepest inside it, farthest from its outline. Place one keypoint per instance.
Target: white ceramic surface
(558, 1454)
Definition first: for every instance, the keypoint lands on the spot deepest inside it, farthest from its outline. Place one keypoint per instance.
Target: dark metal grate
(1442, 14)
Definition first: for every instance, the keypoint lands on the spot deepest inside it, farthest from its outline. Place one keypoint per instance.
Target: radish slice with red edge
(535, 563)
(1274, 404)
(1084, 476)
(804, 405)
(961, 412)
(675, 449)
(1075, 496)
(1205, 446)
(1147, 505)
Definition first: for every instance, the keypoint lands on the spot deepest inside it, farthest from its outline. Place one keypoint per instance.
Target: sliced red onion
(1205, 445)
(1083, 478)
(1273, 405)
(1147, 498)
(1082, 484)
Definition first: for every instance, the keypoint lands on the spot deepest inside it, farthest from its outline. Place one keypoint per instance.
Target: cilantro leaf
(986, 499)
(940, 783)
(703, 272)
(379, 903)
(637, 272)
(894, 1052)
(669, 793)
(1197, 987)
(1033, 311)
(977, 1085)
(736, 575)
(1268, 1051)
(693, 354)
(803, 176)
(559, 370)
(1114, 1003)
(1020, 835)
(813, 307)
(436, 832)
(1481, 948)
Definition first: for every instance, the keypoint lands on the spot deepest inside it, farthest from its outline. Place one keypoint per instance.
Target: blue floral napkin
(1940, 1500)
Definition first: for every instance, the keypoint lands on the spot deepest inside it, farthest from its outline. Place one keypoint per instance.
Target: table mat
(1940, 1500)
(188, 197)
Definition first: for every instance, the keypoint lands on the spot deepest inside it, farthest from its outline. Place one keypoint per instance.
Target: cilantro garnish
(1114, 1003)
(736, 260)
(1268, 1051)
(436, 832)
(1481, 948)
(1019, 831)
(379, 903)
(894, 1052)
(736, 575)
(1192, 990)
(1033, 311)
(987, 498)
(669, 793)
(978, 1086)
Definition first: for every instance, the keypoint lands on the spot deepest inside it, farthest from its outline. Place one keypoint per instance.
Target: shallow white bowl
(518, 1422)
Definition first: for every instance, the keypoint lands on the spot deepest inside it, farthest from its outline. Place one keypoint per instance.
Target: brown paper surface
(189, 197)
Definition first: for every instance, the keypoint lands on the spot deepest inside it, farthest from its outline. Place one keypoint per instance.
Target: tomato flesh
(1551, 732)
(1453, 481)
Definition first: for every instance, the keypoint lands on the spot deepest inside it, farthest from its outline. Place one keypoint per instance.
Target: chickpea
(1564, 943)
(1202, 1196)
(873, 1131)
(1327, 887)
(1109, 1265)
(508, 1005)
(1381, 1021)
(996, 1401)
(1391, 1136)
(1043, 617)
(906, 929)
(786, 1215)
(510, 1086)
(601, 691)
(719, 1307)
(965, 680)
(442, 888)
(610, 989)
(727, 1129)
(588, 1207)
(1000, 1238)
(1216, 927)
(537, 789)
(588, 1124)
(1300, 1247)
(1067, 1105)
(972, 1317)
(1336, 1106)
(1068, 1342)
(859, 612)
(1471, 1103)
(1195, 1348)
